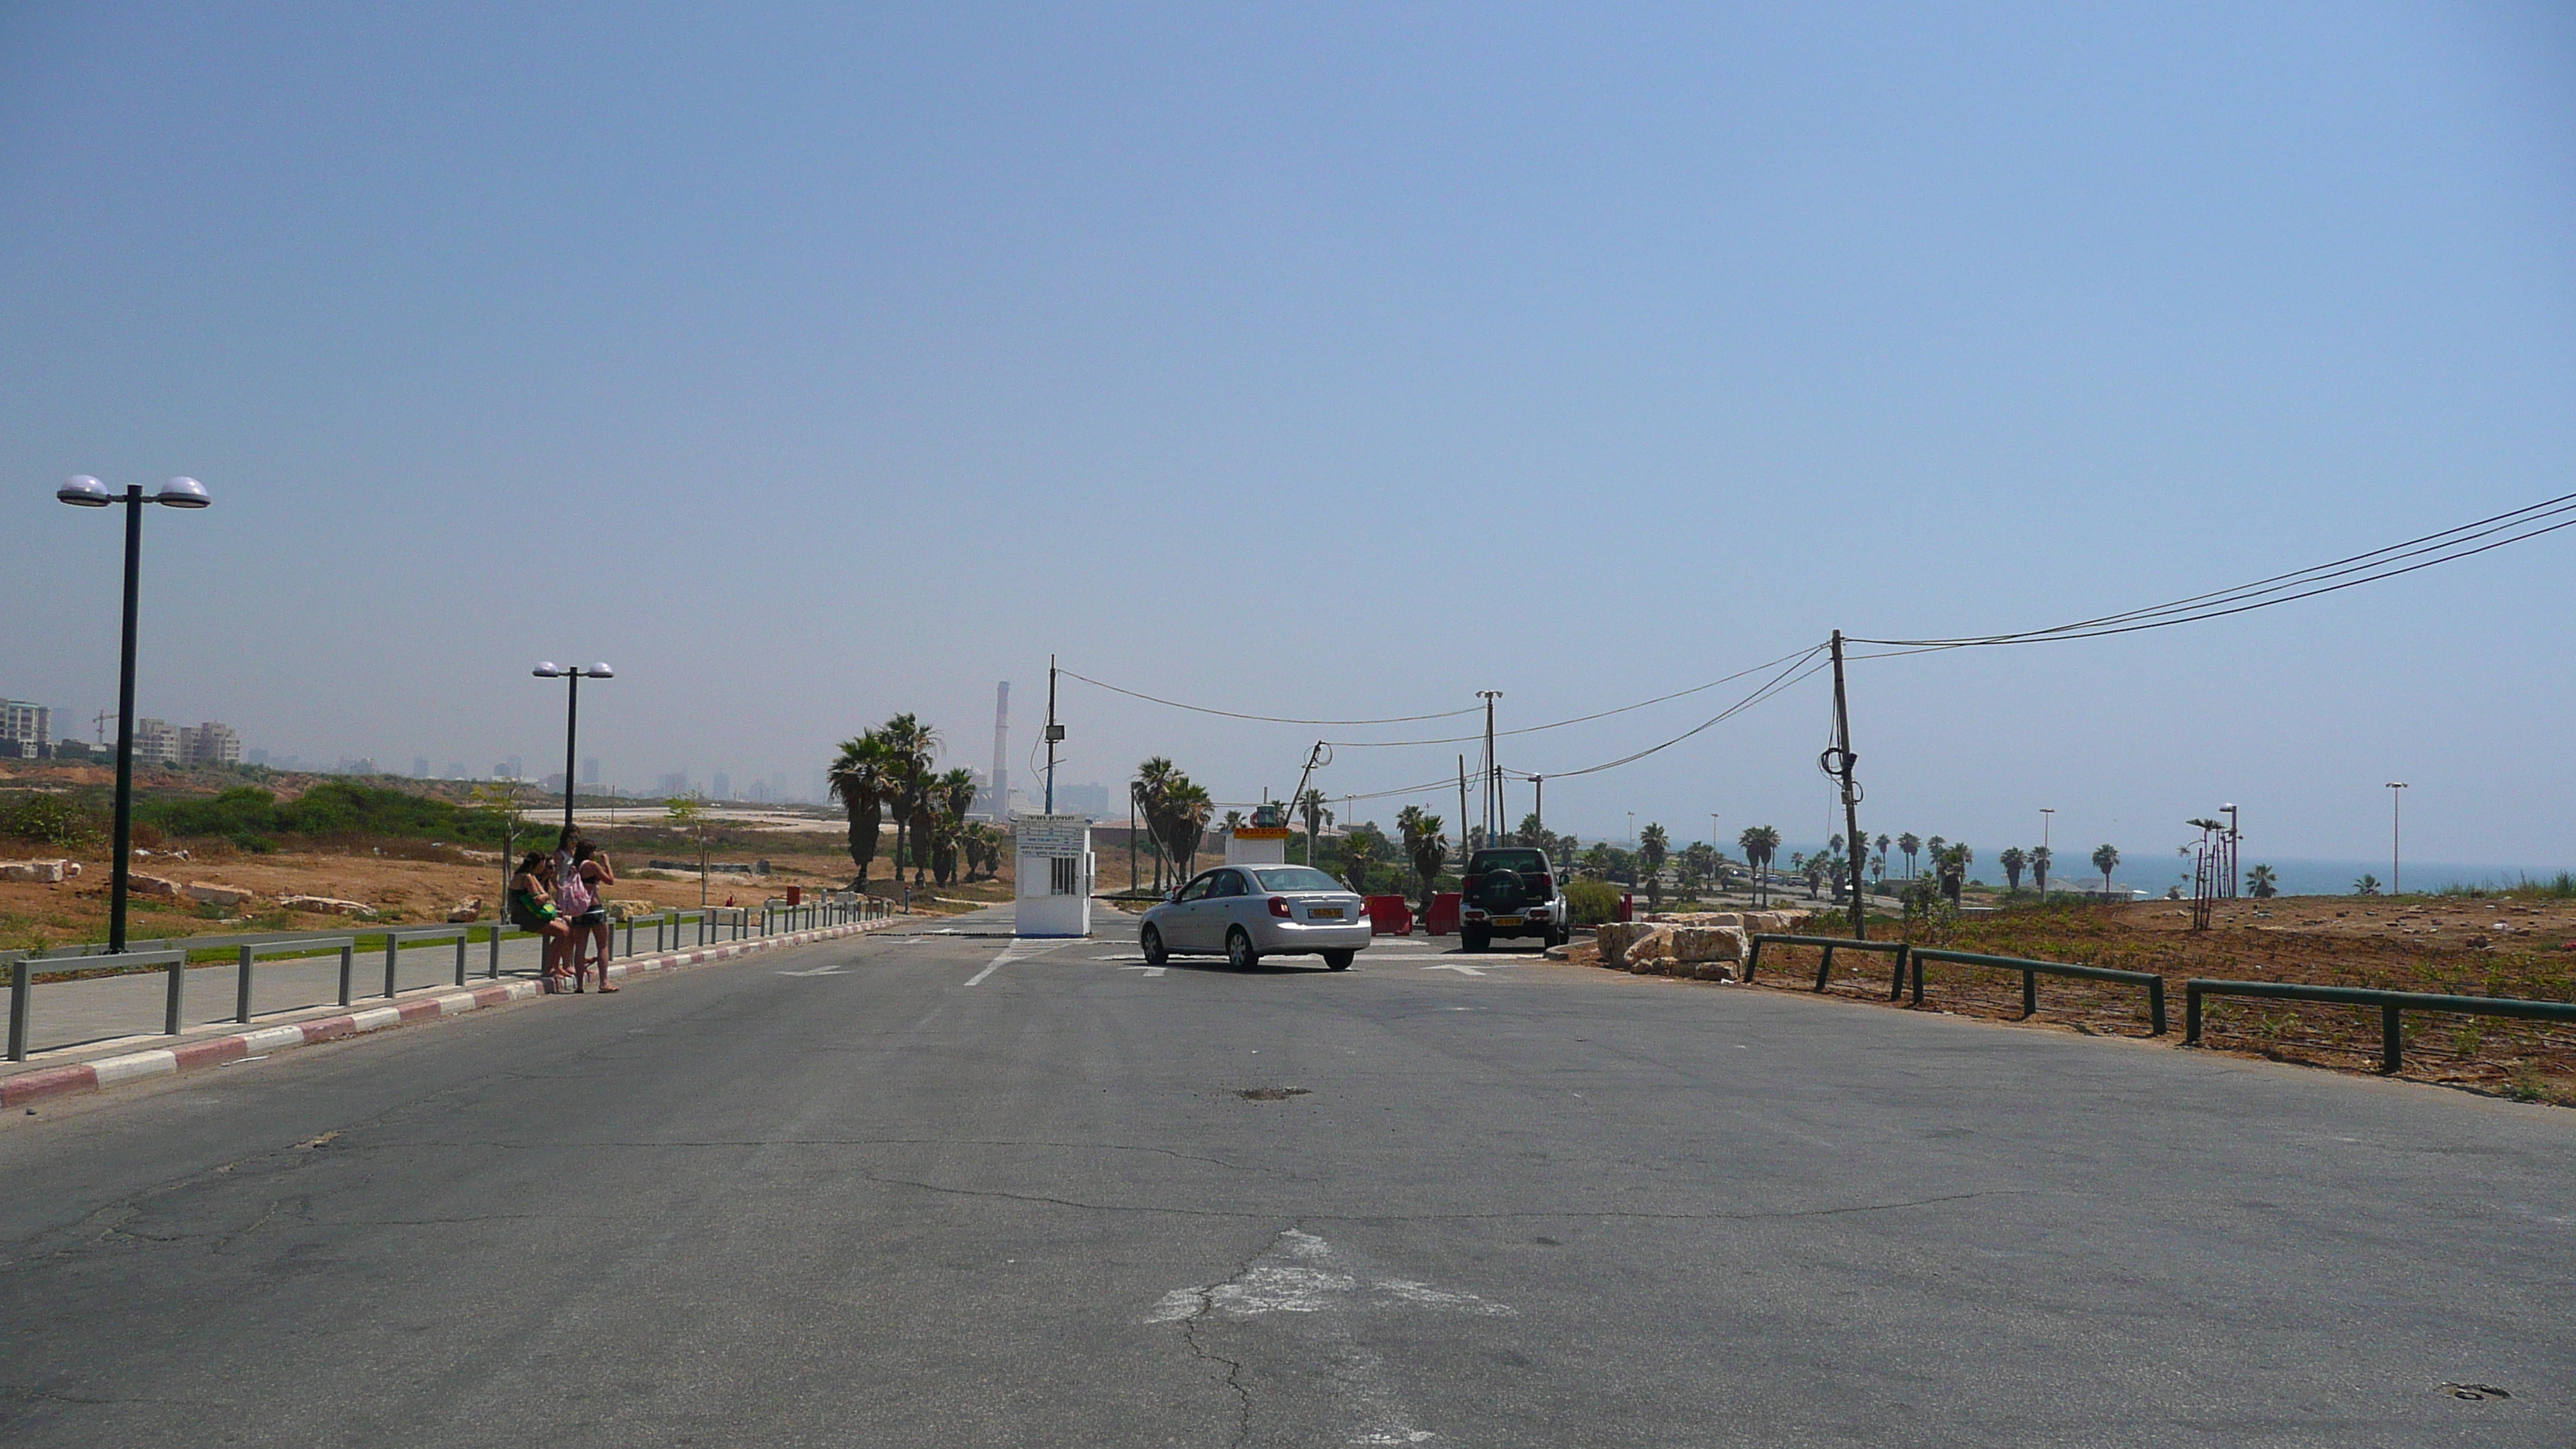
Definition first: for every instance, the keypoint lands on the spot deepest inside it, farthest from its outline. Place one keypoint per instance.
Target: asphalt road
(964, 1192)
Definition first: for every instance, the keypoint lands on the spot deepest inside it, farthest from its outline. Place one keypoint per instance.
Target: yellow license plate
(1507, 920)
(1324, 913)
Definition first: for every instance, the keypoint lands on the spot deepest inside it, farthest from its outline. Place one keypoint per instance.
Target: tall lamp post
(2394, 786)
(573, 674)
(87, 492)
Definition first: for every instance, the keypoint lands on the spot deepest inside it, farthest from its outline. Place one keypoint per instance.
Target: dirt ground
(2495, 946)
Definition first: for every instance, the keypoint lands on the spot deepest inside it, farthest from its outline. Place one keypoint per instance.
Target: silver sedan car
(1246, 912)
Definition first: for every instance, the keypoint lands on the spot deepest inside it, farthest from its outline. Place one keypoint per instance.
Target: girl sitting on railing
(532, 908)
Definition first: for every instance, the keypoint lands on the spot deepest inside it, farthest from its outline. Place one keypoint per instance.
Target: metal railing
(1831, 944)
(2031, 971)
(2391, 1004)
(22, 992)
(250, 955)
(393, 954)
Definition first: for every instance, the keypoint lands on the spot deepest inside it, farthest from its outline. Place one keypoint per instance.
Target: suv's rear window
(1297, 878)
(1527, 862)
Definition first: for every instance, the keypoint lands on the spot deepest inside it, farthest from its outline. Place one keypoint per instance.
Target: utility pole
(1054, 735)
(1462, 800)
(2394, 786)
(2232, 838)
(1838, 761)
(1493, 768)
(1538, 808)
(1319, 755)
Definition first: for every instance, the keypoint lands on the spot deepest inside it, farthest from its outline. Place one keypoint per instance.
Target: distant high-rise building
(29, 727)
(590, 770)
(209, 744)
(513, 768)
(1091, 800)
(759, 792)
(722, 786)
(675, 783)
(358, 765)
(552, 784)
(454, 771)
(156, 742)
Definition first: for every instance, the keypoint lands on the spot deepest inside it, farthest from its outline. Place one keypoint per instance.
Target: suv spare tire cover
(1499, 890)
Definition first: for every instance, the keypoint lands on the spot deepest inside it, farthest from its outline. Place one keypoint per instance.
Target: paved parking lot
(967, 1190)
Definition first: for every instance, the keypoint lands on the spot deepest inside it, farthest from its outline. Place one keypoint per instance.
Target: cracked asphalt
(1546, 1205)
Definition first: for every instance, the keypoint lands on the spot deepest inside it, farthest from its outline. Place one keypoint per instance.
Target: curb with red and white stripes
(214, 1051)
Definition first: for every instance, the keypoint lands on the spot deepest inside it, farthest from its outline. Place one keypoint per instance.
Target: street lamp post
(87, 492)
(573, 674)
(2394, 786)
(2233, 836)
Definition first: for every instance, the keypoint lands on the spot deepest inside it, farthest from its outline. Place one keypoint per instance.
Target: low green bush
(1592, 901)
(56, 820)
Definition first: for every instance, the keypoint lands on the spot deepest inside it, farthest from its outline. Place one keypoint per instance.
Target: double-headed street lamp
(87, 492)
(572, 713)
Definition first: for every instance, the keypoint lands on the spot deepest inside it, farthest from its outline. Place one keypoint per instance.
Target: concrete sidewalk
(111, 1009)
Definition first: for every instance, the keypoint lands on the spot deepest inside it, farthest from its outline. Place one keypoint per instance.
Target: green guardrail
(2031, 971)
(2391, 1004)
(1831, 944)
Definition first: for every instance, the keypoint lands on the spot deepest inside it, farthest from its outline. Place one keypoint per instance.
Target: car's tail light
(1547, 885)
(1279, 907)
(1467, 886)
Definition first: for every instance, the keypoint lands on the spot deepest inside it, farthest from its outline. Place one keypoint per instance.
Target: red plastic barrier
(1443, 919)
(1390, 915)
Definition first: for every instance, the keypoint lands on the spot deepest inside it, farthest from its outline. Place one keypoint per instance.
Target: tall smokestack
(1001, 803)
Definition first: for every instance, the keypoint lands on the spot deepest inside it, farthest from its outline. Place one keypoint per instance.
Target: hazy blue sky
(811, 364)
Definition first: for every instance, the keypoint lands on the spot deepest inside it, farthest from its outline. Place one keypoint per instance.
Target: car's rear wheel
(1238, 950)
(1559, 936)
(1474, 940)
(1155, 955)
(1339, 960)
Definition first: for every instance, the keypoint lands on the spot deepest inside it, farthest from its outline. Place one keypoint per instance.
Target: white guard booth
(1054, 867)
(1257, 845)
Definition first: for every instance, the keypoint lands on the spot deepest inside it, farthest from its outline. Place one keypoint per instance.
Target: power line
(1786, 679)
(1263, 718)
(2447, 546)
(1578, 719)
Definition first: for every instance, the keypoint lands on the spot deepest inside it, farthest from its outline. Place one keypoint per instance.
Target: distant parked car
(1246, 912)
(1511, 892)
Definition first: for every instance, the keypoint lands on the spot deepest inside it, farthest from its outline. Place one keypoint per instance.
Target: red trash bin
(795, 895)
(1390, 915)
(1627, 905)
(1443, 920)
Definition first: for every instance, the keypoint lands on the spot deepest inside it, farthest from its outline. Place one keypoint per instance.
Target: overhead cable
(1262, 718)
(2447, 546)
(1578, 719)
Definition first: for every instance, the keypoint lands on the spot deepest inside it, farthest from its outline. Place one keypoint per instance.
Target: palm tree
(1234, 821)
(1952, 862)
(951, 796)
(1428, 848)
(912, 746)
(1153, 781)
(1909, 842)
(1532, 833)
(2261, 883)
(2368, 885)
(2106, 858)
(1759, 843)
(2040, 859)
(1357, 848)
(860, 779)
(2012, 860)
(1883, 843)
(1186, 810)
(1652, 846)
(1932, 848)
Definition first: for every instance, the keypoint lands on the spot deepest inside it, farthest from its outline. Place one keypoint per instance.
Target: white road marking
(1148, 970)
(817, 971)
(1019, 951)
(1460, 968)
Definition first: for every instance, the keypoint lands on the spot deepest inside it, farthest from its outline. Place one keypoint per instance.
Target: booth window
(1064, 876)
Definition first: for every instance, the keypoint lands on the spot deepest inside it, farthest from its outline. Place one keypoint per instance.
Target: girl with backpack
(532, 908)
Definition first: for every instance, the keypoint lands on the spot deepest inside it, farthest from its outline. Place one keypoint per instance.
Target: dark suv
(1510, 892)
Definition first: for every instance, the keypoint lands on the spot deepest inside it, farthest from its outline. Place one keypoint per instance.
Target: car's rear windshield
(1296, 878)
(1528, 862)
